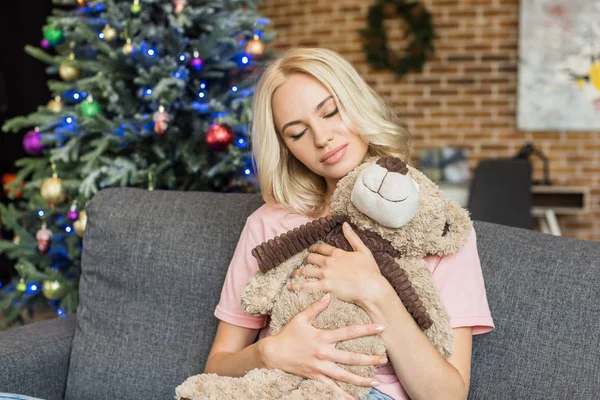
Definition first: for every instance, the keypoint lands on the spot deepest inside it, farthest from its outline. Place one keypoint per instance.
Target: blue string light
(242, 143)
(201, 107)
(263, 21)
(31, 288)
(201, 95)
(234, 88)
(41, 213)
(182, 57)
(181, 73)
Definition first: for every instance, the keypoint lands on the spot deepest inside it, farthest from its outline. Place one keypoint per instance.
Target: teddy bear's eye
(446, 229)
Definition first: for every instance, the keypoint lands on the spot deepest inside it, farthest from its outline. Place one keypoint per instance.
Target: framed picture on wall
(445, 165)
(559, 65)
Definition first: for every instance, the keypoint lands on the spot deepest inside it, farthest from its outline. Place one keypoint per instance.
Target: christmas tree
(146, 93)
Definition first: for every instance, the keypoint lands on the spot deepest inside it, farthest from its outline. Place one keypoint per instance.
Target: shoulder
(272, 219)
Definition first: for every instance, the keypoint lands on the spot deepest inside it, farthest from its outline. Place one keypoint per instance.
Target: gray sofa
(153, 264)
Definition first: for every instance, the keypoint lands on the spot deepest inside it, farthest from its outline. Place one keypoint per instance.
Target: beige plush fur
(440, 227)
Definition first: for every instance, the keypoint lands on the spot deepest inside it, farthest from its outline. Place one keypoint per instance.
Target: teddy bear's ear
(456, 230)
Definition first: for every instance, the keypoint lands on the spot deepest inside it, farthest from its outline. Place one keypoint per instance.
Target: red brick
(466, 95)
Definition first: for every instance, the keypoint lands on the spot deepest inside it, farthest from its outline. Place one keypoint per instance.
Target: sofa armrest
(34, 359)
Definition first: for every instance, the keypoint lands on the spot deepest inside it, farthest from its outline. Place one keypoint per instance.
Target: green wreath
(417, 52)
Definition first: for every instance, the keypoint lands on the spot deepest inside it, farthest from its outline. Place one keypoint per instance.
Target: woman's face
(307, 118)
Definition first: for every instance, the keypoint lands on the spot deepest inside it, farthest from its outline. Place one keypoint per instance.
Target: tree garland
(420, 26)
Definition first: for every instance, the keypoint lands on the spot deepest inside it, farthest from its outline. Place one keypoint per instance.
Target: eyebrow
(317, 108)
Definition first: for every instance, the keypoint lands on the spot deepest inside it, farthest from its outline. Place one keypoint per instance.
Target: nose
(393, 164)
(322, 137)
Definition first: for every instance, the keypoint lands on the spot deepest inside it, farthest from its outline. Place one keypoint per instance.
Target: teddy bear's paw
(258, 384)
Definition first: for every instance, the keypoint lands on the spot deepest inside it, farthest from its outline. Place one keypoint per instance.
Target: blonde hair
(282, 178)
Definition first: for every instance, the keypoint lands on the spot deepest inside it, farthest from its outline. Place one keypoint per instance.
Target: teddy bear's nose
(393, 164)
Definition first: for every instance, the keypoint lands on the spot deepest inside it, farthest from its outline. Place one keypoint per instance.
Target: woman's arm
(233, 352)
(423, 372)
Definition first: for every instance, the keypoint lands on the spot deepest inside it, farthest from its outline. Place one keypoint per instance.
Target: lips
(332, 152)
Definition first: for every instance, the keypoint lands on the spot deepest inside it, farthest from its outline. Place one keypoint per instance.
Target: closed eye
(296, 137)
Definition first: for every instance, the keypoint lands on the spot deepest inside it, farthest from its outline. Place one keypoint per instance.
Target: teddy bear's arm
(401, 282)
(275, 251)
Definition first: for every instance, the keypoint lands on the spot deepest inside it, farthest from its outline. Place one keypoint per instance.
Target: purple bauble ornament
(73, 215)
(45, 44)
(32, 143)
(196, 63)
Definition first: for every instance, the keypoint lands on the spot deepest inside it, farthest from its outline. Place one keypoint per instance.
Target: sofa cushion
(544, 295)
(153, 265)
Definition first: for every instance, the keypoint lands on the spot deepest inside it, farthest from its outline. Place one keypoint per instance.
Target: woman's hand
(301, 349)
(351, 276)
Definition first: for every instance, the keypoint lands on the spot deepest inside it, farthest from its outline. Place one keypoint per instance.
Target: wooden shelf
(561, 199)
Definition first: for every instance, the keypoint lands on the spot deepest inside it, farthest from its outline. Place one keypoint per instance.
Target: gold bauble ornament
(52, 190)
(128, 48)
(255, 47)
(68, 72)
(110, 33)
(79, 225)
(55, 105)
(54, 290)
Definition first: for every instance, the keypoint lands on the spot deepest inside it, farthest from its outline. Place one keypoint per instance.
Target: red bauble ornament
(161, 121)
(43, 237)
(219, 136)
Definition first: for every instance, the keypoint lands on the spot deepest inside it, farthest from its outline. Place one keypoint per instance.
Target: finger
(308, 273)
(353, 331)
(316, 308)
(350, 358)
(314, 285)
(316, 259)
(341, 374)
(353, 239)
(322, 248)
(334, 386)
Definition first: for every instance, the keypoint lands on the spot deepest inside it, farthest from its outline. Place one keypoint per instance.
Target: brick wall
(466, 95)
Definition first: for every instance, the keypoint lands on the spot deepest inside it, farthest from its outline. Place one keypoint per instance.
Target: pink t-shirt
(458, 278)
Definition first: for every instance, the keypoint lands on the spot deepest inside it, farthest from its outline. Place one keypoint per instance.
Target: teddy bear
(401, 216)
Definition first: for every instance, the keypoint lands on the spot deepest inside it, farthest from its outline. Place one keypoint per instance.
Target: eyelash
(298, 136)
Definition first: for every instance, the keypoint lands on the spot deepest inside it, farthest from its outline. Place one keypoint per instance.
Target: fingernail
(383, 360)
(347, 225)
(290, 286)
(326, 297)
(379, 328)
(374, 383)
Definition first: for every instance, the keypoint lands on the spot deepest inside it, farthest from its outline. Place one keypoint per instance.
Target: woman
(314, 120)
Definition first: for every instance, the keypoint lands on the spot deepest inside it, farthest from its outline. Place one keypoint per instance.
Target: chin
(341, 168)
